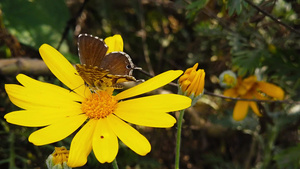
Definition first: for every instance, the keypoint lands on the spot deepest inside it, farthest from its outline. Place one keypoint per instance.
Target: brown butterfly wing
(91, 74)
(117, 63)
(91, 50)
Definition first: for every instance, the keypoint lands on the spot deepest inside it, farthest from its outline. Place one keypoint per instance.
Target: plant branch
(272, 17)
(70, 23)
(255, 100)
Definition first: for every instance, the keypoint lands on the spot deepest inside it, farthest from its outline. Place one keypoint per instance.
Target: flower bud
(191, 83)
(58, 159)
(227, 79)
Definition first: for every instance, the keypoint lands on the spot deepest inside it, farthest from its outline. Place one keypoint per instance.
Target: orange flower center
(99, 105)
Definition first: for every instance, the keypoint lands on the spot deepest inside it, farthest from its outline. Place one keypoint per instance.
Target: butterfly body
(100, 69)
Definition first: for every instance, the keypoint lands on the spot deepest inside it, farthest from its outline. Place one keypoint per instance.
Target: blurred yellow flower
(250, 88)
(227, 79)
(100, 116)
(191, 83)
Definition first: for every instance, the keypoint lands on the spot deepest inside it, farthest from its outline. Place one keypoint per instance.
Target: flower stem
(114, 164)
(178, 139)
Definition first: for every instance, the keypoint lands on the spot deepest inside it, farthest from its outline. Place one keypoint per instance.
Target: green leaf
(234, 6)
(197, 5)
(194, 8)
(35, 22)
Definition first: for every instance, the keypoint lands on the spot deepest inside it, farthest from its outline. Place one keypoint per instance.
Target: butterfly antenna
(144, 72)
(148, 74)
(137, 68)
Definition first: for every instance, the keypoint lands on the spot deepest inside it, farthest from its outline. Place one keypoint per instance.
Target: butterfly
(100, 70)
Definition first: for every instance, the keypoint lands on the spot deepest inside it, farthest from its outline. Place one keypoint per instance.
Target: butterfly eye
(128, 66)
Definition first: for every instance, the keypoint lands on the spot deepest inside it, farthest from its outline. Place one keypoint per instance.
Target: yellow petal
(105, 142)
(129, 136)
(200, 88)
(241, 90)
(185, 85)
(194, 80)
(271, 90)
(155, 103)
(197, 83)
(151, 84)
(147, 111)
(232, 92)
(189, 70)
(39, 98)
(39, 118)
(254, 107)
(183, 78)
(81, 145)
(161, 120)
(249, 82)
(114, 43)
(62, 69)
(57, 131)
(47, 88)
(192, 75)
(240, 110)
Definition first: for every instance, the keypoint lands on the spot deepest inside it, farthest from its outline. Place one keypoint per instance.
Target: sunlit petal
(81, 145)
(240, 110)
(40, 117)
(47, 88)
(105, 142)
(57, 131)
(151, 84)
(148, 119)
(147, 111)
(28, 98)
(62, 69)
(114, 43)
(155, 103)
(129, 136)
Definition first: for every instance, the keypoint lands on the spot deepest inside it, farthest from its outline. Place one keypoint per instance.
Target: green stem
(178, 139)
(269, 147)
(114, 164)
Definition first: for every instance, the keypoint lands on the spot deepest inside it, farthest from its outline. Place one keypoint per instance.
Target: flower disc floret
(99, 105)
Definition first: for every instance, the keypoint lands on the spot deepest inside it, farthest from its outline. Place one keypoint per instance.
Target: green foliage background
(164, 35)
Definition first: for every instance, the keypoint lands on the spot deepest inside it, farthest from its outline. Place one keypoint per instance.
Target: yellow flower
(100, 117)
(227, 79)
(250, 88)
(191, 83)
